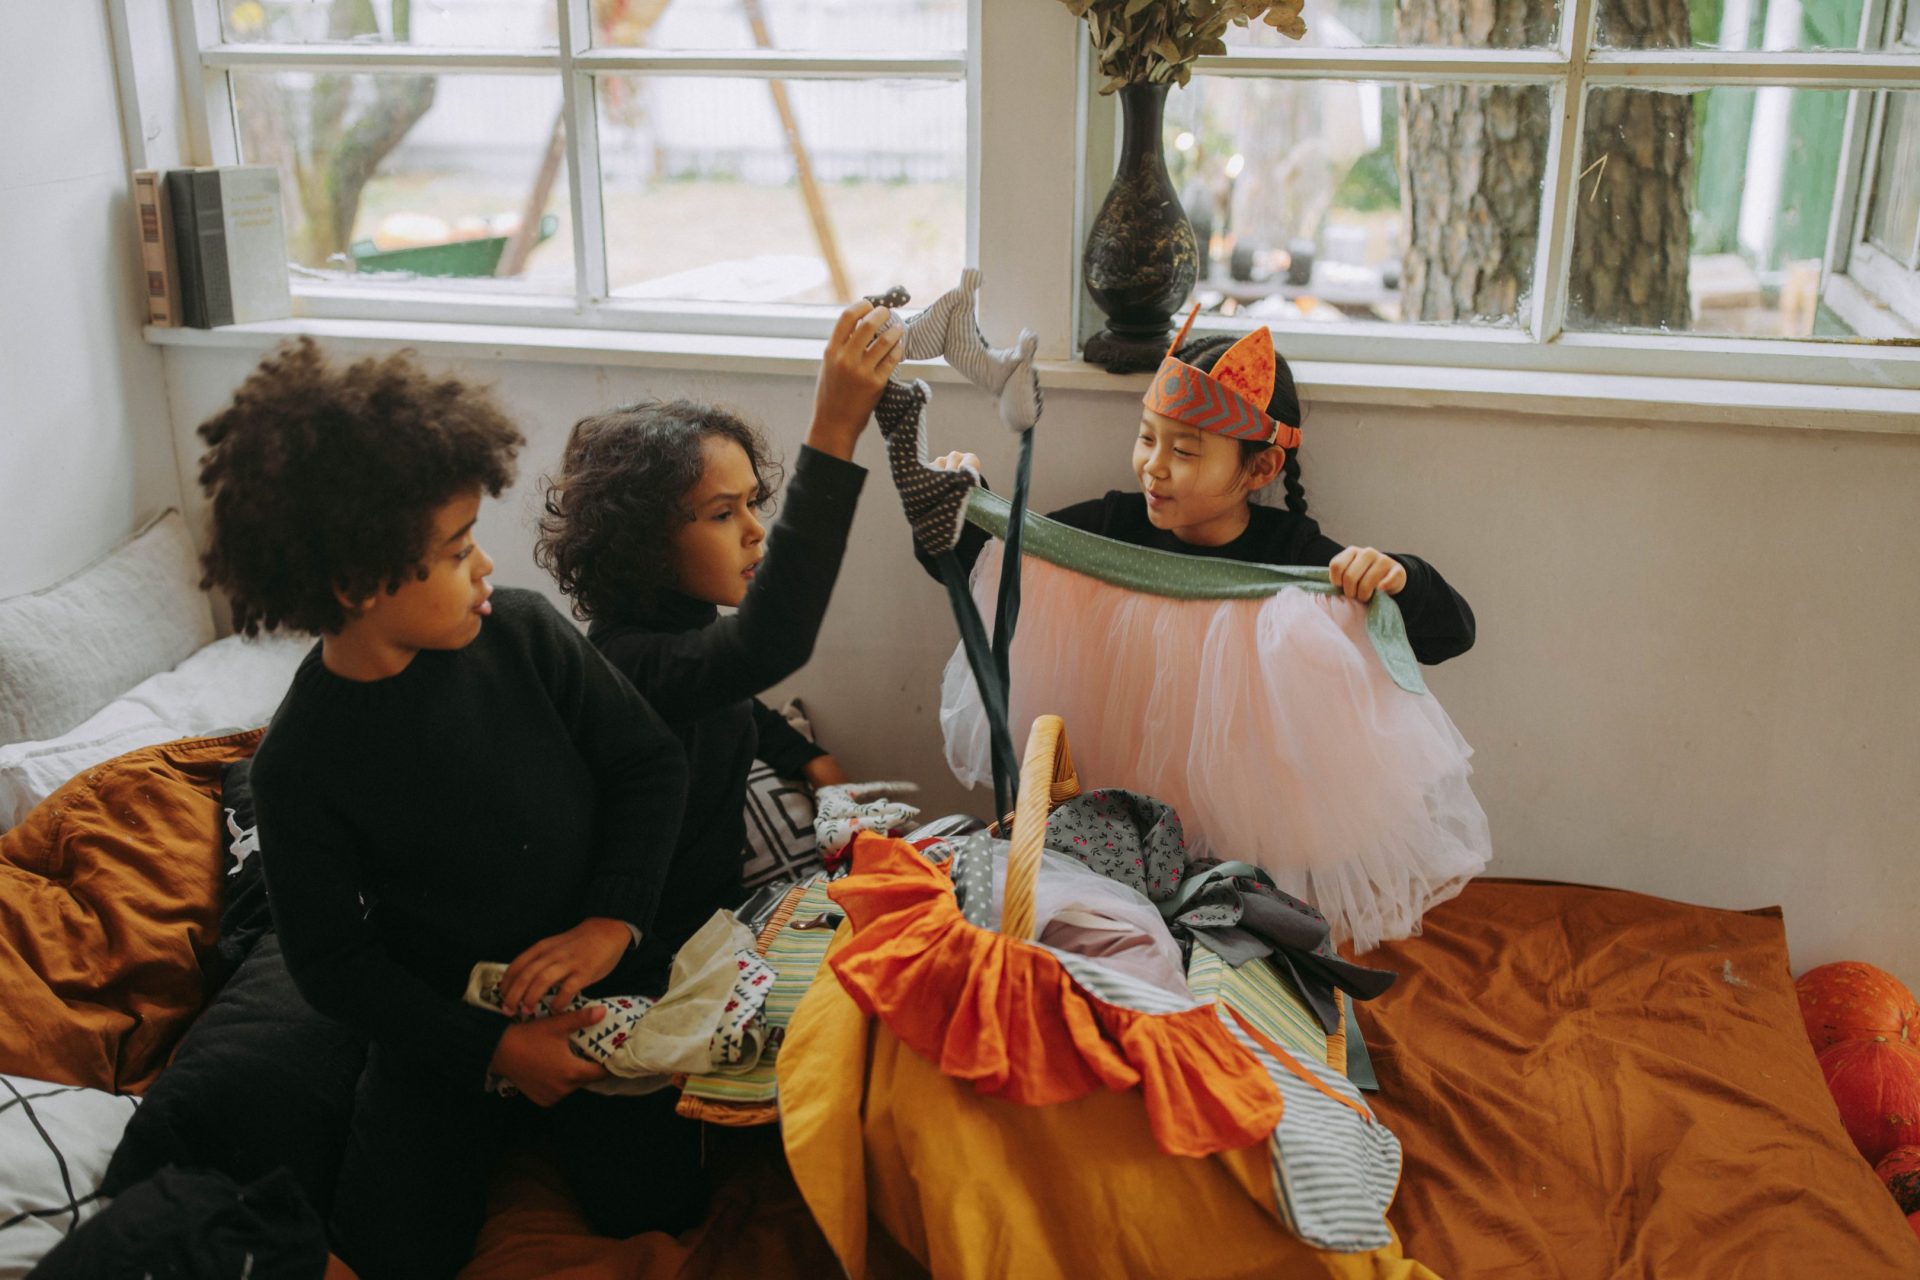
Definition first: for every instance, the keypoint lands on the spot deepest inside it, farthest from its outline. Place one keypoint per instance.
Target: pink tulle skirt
(1270, 725)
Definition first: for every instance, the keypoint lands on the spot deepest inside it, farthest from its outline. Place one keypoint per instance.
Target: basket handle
(1047, 778)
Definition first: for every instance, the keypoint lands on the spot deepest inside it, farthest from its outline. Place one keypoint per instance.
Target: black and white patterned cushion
(55, 1141)
(780, 839)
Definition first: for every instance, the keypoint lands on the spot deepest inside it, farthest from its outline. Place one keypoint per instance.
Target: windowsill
(1633, 397)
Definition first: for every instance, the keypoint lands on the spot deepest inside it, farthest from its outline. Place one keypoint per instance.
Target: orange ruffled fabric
(1006, 1014)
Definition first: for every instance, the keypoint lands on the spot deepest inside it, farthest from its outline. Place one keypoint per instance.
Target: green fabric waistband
(1178, 577)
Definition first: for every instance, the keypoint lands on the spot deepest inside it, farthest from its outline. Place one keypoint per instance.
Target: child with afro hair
(455, 776)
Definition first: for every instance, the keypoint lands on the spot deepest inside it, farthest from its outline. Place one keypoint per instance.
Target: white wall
(1693, 676)
(85, 450)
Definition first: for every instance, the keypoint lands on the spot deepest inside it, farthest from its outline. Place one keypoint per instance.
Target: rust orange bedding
(109, 897)
(1592, 1083)
(1588, 1083)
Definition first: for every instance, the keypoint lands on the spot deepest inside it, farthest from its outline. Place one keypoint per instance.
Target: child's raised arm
(691, 673)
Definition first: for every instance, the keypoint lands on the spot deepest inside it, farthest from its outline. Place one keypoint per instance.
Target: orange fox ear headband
(1232, 400)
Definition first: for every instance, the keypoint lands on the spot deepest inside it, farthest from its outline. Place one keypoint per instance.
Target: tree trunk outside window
(1471, 176)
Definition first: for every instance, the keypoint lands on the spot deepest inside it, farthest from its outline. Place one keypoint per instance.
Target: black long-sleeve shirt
(783, 747)
(1439, 621)
(701, 672)
(480, 800)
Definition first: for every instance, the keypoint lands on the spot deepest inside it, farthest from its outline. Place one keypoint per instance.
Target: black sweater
(1439, 621)
(482, 799)
(701, 672)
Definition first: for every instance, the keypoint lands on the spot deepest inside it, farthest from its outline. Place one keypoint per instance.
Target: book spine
(256, 244)
(210, 219)
(156, 249)
(186, 239)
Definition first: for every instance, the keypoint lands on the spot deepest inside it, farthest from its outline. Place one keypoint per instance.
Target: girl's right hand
(539, 1058)
(861, 355)
(958, 461)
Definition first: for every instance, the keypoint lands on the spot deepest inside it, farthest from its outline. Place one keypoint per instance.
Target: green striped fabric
(1178, 577)
(1263, 996)
(796, 955)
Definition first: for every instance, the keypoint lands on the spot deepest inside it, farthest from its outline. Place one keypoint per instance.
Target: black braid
(1284, 406)
(1290, 477)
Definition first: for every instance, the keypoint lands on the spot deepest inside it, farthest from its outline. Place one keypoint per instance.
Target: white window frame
(1041, 147)
(1867, 287)
(212, 139)
(1574, 64)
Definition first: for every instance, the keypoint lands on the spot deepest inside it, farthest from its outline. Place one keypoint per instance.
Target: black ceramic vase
(1139, 263)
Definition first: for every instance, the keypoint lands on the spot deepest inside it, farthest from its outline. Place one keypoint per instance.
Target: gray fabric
(1125, 836)
(1359, 1060)
(1239, 914)
(972, 872)
(69, 649)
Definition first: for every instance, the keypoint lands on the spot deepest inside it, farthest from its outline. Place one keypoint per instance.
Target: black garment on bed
(194, 1224)
(460, 811)
(260, 1082)
(702, 672)
(1440, 623)
(245, 917)
(413, 1187)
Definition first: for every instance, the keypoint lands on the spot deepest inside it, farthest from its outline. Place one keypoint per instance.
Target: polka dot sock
(935, 501)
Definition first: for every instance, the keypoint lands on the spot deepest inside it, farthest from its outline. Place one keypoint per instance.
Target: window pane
(1345, 201)
(1744, 26)
(1910, 34)
(402, 177)
(710, 196)
(1706, 211)
(1345, 24)
(487, 24)
(844, 26)
(1895, 217)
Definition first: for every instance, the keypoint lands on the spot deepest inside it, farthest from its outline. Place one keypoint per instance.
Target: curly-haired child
(652, 526)
(455, 775)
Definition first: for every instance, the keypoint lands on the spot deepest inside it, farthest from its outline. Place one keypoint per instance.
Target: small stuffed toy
(842, 812)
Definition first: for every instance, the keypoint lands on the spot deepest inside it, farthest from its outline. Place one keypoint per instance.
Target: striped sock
(950, 328)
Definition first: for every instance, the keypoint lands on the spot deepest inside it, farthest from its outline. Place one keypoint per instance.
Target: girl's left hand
(862, 354)
(1360, 571)
(570, 961)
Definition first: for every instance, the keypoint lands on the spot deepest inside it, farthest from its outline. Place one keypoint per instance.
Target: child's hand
(570, 961)
(539, 1059)
(824, 771)
(957, 461)
(860, 357)
(1360, 571)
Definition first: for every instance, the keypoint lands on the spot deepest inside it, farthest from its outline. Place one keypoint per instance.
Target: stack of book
(213, 245)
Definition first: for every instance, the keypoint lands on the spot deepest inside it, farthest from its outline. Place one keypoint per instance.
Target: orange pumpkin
(1876, 1084)
(1848, 1000)
(1900, 1170)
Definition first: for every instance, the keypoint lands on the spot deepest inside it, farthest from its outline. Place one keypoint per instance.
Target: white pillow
(55, 1141)
(231, 684)
(67, 650)
(235, 683)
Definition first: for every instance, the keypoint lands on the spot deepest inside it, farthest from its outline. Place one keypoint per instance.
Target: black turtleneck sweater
(480, 800)
(1439, 621)
(701, 672)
